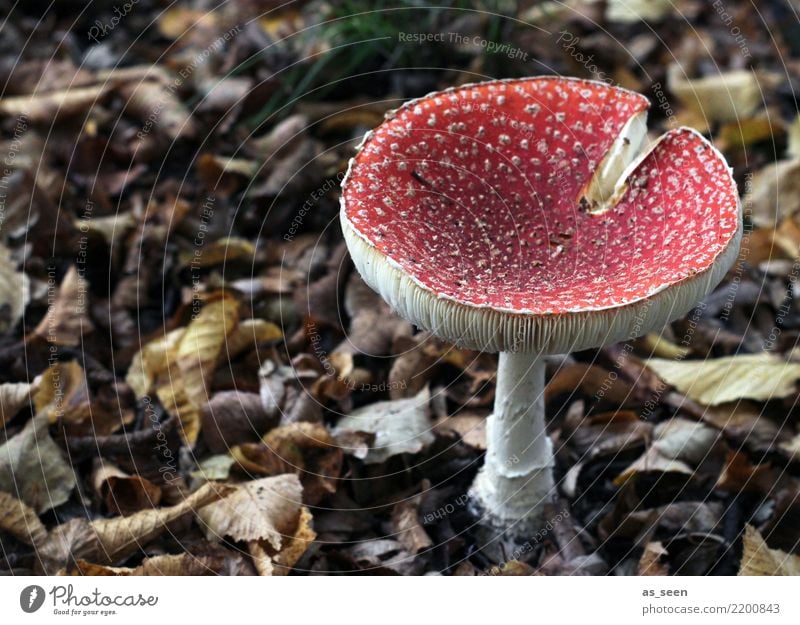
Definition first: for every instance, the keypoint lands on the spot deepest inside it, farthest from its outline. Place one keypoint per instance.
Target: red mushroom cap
(476, 196)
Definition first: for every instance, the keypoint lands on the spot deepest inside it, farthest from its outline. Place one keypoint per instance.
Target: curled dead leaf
(264, 509)
(107, 541)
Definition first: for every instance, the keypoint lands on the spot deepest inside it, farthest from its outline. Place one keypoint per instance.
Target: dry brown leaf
(759, 560)
(183, 564)
(265, 509)
(634, 11)
(63, 393)
(739, 474)
(651, 460)
(400, 426)
(406, 527)
(296, 545)
(306, 449)
(14, 291)
(111, 228)
(177, 22)
(123, 494)
(745, 422)
(67, 321)
(154, 104)
(235, 417)
(249, 334)
(14, 396)
(591, 381)
(723, 97)
(47, 107)
(106, 541)
(774, 194)
(718, 380)
(20, 520)
(32, 466)
(650, 562)
(470, 426)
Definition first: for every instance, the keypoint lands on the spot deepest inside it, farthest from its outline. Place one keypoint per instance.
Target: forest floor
(183, 339)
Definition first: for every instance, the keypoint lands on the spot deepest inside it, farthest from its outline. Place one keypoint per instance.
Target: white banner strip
(386, 600)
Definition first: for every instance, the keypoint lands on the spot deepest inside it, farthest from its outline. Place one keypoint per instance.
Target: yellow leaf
(250, 333)
(716, 381)
(151, 361)
(201, 345)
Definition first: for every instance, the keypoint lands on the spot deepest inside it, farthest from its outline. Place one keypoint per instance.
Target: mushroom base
(514, 507)
(516, 480)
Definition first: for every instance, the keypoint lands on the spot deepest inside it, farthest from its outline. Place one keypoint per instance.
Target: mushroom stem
(517, 477)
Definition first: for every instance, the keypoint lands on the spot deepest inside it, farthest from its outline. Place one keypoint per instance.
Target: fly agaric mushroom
(522, 217)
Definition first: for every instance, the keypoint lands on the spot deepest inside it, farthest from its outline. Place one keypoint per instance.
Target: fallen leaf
(512, 568)
(759, 560)
(107, 541)
(718, 380)
(249, 334)
(67, 322)
(47, 107)
(306, 449)
(741, 475)
(14, 291)
(124, 494)
(296, 545)
(20, 520)
(774, 194)
(14, 396)
(406, 526)
(650, 562)
(235, 417)
(590, 381)
(183, 564)
(224, 250)
(634, 11)
(469, 426)
(400, 426)
(156, 105)
(152, 361)
(180, 365)
(723, 97)
(63, 393)
(32, 466)
(265, 509)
